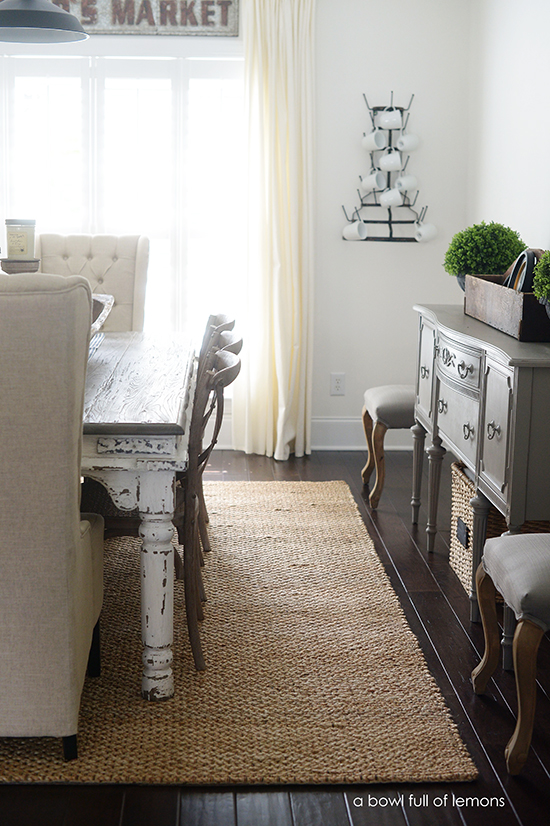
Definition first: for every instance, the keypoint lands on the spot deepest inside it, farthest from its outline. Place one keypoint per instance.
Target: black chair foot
(94, 657)
(70, 750)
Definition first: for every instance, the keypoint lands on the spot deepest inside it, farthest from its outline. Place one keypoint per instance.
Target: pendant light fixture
(38, 21)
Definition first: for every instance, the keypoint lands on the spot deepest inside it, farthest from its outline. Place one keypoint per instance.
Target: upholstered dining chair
(518, 567)
(222, 369)
(51, 555)
(385, 407)
(114, 265)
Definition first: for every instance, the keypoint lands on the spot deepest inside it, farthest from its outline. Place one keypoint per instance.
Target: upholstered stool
(386, 407)
(518, 566)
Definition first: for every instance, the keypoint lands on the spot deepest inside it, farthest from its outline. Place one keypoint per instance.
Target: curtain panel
(272, 398)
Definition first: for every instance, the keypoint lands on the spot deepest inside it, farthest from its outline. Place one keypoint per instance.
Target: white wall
(365, 324)
(512, 118)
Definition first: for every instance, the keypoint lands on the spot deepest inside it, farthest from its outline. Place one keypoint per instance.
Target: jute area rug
(313, 674)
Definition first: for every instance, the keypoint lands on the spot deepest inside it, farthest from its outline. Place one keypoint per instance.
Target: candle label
(17, 243)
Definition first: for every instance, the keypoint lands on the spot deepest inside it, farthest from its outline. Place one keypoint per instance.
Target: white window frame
(180, 58)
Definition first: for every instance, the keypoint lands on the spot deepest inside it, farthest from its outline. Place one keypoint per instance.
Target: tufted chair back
(114, 265)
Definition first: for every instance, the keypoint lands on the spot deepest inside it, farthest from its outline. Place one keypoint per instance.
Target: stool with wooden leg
(386, 407)
(518, 566)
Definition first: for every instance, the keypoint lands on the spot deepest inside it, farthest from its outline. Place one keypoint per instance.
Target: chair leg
(70, 748)
(203, 530)
(526, 645)
(191, 568)
(203, 519)
(94, 657)
(486, 595)
(369, 467)
(378, 433)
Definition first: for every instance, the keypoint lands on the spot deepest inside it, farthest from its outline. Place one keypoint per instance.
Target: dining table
(137, 411)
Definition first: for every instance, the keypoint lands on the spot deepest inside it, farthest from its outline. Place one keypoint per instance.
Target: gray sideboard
(485, 397)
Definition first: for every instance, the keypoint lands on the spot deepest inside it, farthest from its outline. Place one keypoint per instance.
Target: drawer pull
(424, 372)
(447, 357)
(467, 430)
(441, 406)
(464, 369)
(493, 430)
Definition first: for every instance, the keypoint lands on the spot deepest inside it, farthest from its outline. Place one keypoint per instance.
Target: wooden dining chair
(224, 340)
(223, 368)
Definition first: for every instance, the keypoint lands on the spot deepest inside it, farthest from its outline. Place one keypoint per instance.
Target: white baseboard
(344, 433)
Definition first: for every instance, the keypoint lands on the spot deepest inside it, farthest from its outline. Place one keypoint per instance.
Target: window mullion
(181, 101)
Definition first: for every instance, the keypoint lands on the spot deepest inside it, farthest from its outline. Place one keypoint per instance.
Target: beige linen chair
(518, 566)
(114, 265)
(51, 556)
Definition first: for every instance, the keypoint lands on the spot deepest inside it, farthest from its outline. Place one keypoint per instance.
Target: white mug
(374, 141)
(405, 183)
(425, 232)
(376, 180)
(389, 119)
(390, 162)
(406, 143)
(391, 197)
(357, 231)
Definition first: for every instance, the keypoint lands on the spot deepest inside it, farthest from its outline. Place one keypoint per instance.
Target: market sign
(181, 17)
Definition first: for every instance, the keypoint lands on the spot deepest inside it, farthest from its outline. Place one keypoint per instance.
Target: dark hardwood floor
(436, 607)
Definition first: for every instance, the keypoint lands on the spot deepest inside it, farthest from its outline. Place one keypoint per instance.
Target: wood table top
(138, 384)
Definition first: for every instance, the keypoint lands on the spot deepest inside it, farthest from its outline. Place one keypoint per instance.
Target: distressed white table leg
(156, 509)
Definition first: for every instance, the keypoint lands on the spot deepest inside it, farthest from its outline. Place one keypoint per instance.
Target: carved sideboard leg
(480, 506)
(156, 504)
(419, 436)
(435, 458)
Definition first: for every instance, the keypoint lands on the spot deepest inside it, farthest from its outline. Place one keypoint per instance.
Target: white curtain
(272, 398)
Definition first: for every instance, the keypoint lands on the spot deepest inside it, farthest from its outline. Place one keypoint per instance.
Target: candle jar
(20, 239)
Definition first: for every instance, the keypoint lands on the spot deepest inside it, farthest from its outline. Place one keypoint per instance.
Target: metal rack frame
(370, 200)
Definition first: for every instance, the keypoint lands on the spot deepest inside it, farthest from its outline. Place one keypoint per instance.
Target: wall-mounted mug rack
(388, 192)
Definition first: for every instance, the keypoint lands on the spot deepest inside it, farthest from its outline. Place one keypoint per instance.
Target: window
(135, 145)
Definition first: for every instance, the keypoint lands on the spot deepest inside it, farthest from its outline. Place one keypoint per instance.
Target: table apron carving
(134, 445)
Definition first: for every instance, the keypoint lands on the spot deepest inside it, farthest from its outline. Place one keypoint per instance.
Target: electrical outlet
(337, 384)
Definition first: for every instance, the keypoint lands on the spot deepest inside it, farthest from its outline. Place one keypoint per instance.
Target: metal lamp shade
(38, 21)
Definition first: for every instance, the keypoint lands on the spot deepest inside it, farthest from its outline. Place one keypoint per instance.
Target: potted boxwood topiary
(541, 280)
(482, 249)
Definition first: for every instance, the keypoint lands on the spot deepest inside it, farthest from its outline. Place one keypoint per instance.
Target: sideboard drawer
(458, 421)
(462, 364)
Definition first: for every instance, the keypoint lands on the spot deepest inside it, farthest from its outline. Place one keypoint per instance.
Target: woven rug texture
(313, 675)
